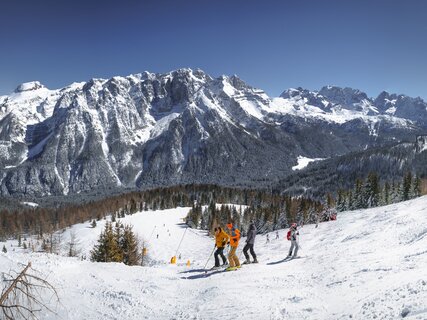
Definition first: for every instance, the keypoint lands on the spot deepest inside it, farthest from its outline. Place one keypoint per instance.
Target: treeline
(274, 208)
(271, 212)
(330, 175)
(370, 192)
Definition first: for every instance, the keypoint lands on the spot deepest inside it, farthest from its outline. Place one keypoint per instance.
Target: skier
(277, 234)
(250, 241)
(221, 239)
(233, 260)
(294, 240)
(268, 239)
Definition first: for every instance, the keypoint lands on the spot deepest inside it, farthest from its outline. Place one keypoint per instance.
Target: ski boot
(231, 269)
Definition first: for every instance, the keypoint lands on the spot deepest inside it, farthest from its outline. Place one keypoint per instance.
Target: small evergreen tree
(395, 195)
(107, 249)
(358, 195)
(350, 203)
(371, 191)
(129, 246)
(406, 189)
(386, 193)
(416, 188)
(341, 201)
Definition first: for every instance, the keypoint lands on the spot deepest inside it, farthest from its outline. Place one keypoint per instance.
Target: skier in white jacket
(294, 240)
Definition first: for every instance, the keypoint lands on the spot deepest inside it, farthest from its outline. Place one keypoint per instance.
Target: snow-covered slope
(369, 264)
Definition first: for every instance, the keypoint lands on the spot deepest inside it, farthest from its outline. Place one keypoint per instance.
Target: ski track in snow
(369, 264)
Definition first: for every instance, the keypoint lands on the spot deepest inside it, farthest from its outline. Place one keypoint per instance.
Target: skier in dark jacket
(250, 241)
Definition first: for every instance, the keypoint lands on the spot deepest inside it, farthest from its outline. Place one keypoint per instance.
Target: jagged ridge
(182, 127)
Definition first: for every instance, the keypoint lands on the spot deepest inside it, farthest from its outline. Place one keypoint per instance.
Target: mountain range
(149, 130)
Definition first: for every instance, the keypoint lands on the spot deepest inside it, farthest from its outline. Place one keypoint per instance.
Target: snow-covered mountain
(369, 264)
(183, 127)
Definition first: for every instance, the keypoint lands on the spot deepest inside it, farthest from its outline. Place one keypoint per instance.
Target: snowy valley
(368, 264)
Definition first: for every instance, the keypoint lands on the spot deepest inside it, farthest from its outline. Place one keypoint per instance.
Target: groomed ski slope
(369, 264)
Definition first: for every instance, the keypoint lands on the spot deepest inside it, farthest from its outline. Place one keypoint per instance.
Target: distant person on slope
(234, 234)
(221, 239)
(293, 237)
(250, 241)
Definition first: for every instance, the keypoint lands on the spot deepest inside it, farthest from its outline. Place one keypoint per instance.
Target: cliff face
(183, 127)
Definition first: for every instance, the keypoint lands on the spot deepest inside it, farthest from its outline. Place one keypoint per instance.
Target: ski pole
(181, 241)
(151, 234)
(209, 258)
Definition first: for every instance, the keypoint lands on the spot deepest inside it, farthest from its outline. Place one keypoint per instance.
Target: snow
(251, 108)
(227, 87)
(303, 162)
(30, 204)
(162, 124)
(391, 111)
(301, 108)
(29, 86)
(38, 148)
(369, 264)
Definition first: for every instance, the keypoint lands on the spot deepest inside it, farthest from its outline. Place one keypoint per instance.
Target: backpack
(288, 235)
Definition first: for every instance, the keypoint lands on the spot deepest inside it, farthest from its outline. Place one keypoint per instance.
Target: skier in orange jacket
(221, 239)
(234, 234)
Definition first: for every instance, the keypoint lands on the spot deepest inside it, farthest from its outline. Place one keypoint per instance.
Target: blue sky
(371, 45)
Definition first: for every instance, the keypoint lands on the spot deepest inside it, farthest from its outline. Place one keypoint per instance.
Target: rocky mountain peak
(183, 126)
(29, 86)
(343, 96)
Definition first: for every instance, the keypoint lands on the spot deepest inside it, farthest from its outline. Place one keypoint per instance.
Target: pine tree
(386, 193)
(350, 204)
(330, 202)
(395, 195)
(358, 195)
(407, 182)
(341, 202)
(107, 249)
(73, 245)
(129, 246)
(302, 214)
(416, 188)
(371, 191)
